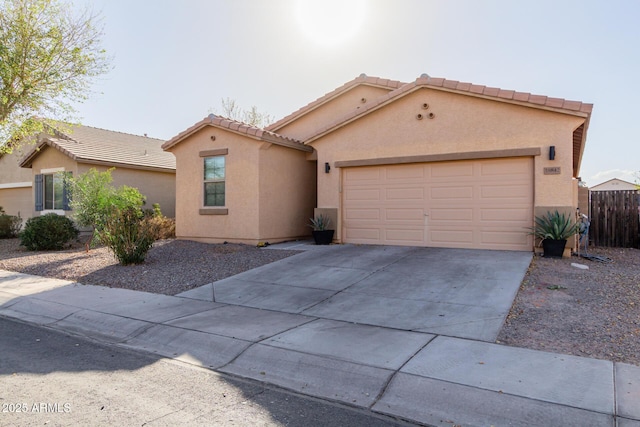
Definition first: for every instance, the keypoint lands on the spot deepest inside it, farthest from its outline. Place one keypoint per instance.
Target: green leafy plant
(10, 225)
(93, 198)
(320, 223)
(50, 55)
(48, 232)
(554, 226)
(127, 234)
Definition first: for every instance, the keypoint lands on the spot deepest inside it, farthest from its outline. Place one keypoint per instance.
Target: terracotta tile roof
(362, 79)
(520, 98)
(99, 146)
(239, 128)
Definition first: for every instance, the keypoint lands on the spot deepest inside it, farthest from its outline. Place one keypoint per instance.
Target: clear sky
(174, 60)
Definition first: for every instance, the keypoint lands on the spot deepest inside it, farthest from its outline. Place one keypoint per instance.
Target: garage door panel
(363, 194)
(451, 236)
(451, 215)
(405, 172)
(400, 194)
(454, 170)
(362, 214)
(414, 215)
(405, 236)
(363, 234)
(447, 193)
(504, 191)
(362, 174)
(484, 203)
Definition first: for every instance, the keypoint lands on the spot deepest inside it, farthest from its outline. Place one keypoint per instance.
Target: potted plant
(554, 229)
(321, 233)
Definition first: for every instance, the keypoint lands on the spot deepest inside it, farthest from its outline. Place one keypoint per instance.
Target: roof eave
(418, 84)
(28, 159)
(259, 135)
(125, 165)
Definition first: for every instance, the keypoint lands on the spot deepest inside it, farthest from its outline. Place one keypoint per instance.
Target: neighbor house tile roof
(239, 128)
(87, 144)
(362, 79)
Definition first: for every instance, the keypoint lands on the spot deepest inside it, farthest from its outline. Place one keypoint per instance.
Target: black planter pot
(553, 248)
(323, 237)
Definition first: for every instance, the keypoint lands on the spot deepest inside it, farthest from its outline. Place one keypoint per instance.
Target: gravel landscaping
(591, 312)
(171, 266)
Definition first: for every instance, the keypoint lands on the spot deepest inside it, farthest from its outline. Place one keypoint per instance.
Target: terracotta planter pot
(553, 248)
(323, 237)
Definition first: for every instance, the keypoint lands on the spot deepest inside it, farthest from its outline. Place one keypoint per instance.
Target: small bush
(165, 228)
(10, 225)
(128, 235)
(48, 232)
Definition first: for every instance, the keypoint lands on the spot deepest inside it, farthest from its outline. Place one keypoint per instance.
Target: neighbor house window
(214, 177)
(51, 192)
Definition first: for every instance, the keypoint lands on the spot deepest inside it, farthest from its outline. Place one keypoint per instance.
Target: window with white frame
(214, 181)
(50, 191)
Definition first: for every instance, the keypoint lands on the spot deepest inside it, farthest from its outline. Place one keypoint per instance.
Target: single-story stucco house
(433, 162)
(615, 184)
(35, 177)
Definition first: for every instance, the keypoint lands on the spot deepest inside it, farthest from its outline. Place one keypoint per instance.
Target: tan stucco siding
(157, 187)
(10, 170)
(17, 201)
(352, 100)
(15, 185)
(287, 193)
(460, 124)
(240, 223)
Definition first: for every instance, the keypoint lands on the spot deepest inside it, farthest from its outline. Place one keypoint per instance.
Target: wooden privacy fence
(615, 219)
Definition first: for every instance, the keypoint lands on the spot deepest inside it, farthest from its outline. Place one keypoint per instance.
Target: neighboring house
(139, 162)
(613, 185)
(432, 162)
(15, 185)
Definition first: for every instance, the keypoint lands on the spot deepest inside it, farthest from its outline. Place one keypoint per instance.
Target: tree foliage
(252, 116)
(93, 199)
(49, 55)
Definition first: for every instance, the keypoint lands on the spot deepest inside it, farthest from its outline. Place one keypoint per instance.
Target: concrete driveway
(395, 330)
(454, 292)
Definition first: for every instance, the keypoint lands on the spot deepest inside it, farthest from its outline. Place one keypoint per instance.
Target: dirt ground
(592, 313)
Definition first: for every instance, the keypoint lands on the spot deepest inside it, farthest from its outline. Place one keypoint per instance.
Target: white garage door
(480, 204)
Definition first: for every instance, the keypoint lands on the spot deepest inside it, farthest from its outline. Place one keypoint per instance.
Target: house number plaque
(552, 171)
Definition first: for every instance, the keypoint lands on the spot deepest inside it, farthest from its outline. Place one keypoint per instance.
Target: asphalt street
(52, 378)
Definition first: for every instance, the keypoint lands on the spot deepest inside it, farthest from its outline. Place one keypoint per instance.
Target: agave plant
(320, 223)
(554, 226)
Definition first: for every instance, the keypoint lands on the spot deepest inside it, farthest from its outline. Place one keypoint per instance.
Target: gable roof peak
(362, 79)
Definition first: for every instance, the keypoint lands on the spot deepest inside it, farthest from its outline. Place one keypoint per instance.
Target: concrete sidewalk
(423, 377)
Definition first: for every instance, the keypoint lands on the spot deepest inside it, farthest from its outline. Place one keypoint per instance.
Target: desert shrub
(10, 225)
(128, 235)
(164, 227)
(48, 232)
(93, 198)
